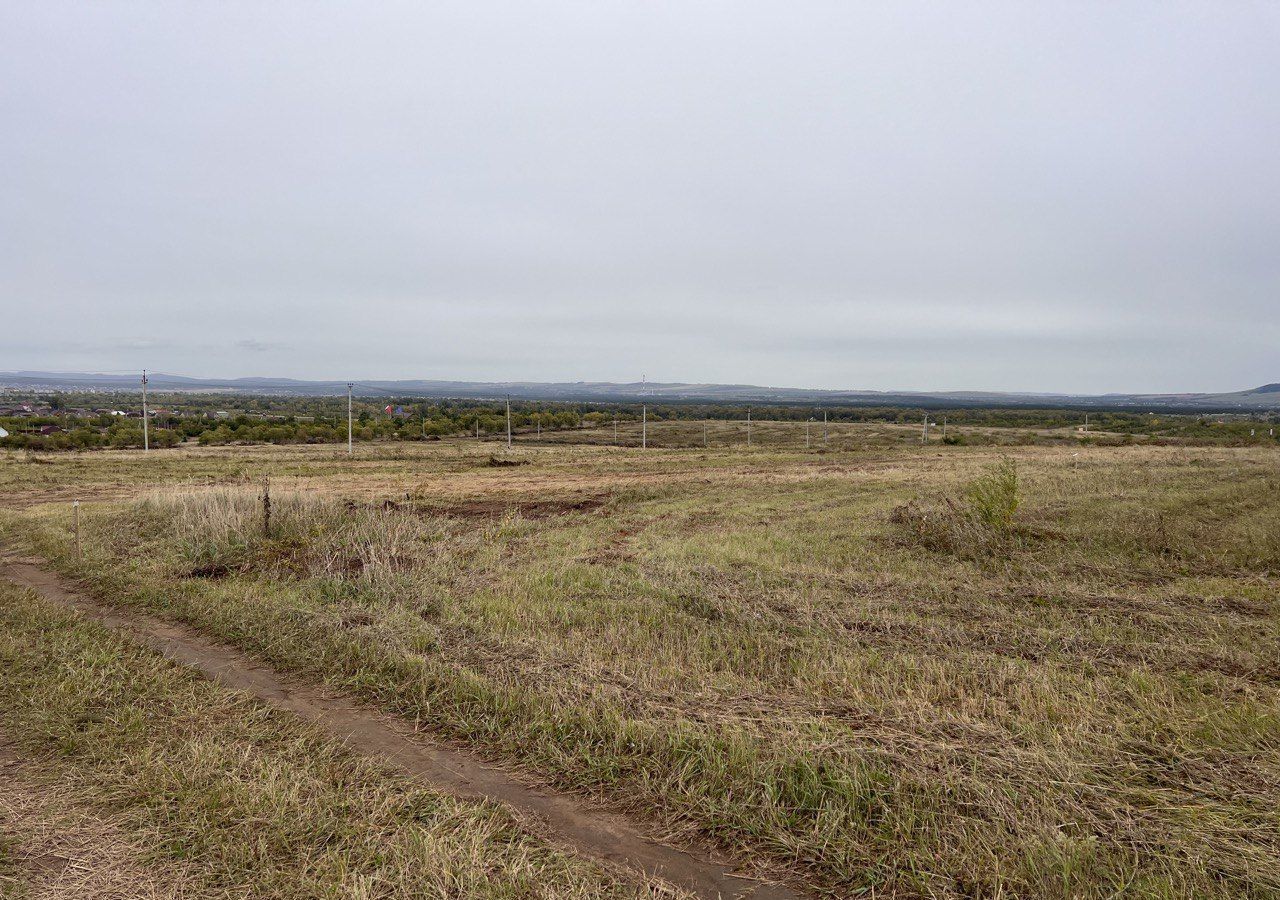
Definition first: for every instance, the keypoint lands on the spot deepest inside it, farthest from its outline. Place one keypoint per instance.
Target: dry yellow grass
(752, 646)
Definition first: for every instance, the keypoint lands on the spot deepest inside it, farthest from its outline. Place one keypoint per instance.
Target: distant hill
(1263, 398)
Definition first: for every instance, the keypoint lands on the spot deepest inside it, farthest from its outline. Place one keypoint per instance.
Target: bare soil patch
(537, 508)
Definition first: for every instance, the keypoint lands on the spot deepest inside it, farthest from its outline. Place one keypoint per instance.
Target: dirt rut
(589, 830)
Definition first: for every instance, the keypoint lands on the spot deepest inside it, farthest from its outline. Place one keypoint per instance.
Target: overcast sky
(1012, 196)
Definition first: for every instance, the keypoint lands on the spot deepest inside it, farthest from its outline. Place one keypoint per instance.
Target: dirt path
(588, 829)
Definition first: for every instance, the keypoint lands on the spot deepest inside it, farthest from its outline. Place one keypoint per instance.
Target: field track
(585, 828)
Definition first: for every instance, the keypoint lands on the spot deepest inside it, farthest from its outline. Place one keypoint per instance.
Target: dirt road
(567, 820)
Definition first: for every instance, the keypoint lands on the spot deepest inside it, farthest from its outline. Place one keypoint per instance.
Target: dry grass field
(871, 668)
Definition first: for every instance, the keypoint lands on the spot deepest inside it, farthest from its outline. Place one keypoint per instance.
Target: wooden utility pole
(508, 421)
(146, 434)
(349, 426)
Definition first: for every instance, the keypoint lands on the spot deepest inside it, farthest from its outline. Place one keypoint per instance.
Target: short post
(266, 506)
(75, 506)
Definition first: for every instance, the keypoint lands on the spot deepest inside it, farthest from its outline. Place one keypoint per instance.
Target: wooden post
(266, 506)
(76, 508)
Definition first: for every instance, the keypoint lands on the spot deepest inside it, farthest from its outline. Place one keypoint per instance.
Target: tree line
(76, 421)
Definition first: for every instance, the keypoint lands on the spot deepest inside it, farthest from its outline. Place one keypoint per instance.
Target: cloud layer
(1075, 197)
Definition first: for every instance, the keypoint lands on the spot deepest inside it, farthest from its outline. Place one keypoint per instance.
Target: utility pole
(508, 421)
(644, 427)
(924, 433)
(349, 428)
(146, 435)
(944, 428)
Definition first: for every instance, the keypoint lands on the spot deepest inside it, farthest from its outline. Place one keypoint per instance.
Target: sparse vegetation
(1068, 689)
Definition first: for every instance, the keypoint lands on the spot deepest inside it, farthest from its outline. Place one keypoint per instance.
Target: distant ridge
(1263, 398)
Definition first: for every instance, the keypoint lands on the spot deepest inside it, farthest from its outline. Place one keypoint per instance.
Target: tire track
(587, 829)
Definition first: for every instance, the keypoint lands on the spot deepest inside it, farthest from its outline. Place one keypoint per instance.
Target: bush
(993, 497)
(982, 523)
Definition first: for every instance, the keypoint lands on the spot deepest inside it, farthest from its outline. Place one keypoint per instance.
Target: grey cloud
(899, 196)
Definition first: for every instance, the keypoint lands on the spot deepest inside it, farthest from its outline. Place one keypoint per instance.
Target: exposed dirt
(497, 462)
(529, 509)
(583, 827)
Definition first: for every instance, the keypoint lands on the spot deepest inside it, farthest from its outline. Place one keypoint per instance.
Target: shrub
(993, 497)
(982, 523)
